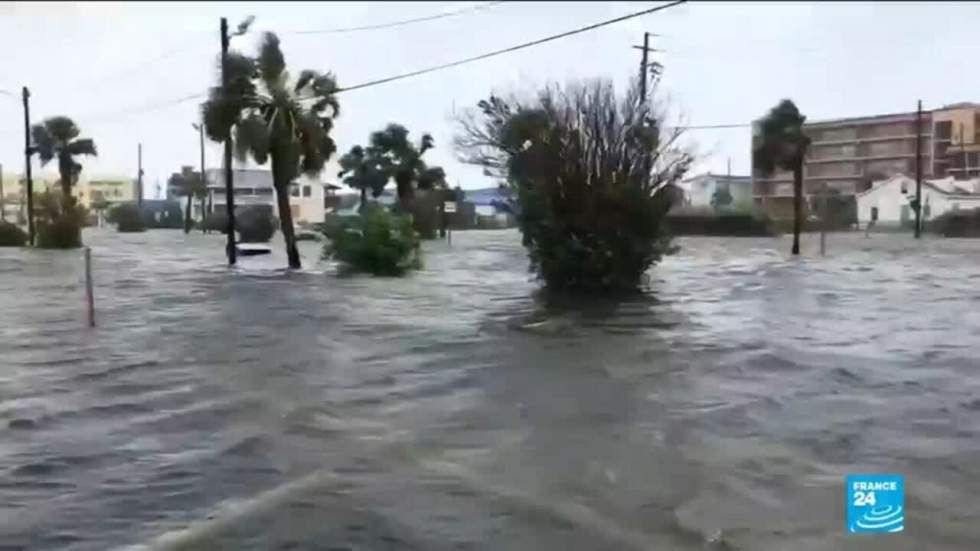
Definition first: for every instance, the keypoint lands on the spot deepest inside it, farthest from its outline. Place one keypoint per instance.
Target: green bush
(593, 174)
(377, 242)
(11, 235)
(255, 224)
(58, 221)
(127, 218)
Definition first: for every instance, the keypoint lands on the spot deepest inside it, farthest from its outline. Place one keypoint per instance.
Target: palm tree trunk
(204, 214)
(64, 170)
(187, 214)
(797, 205)
(286, 223)
(403, 185)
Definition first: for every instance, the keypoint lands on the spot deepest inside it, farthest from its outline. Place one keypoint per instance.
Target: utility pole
(644, 63)
(229, 186)
(918, 171)
(26, 94)
(204, 180)
(3, 204)
(139, 176)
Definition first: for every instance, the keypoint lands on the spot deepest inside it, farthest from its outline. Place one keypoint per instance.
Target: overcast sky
(725, 63)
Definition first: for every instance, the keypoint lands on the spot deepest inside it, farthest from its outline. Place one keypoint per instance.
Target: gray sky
(725, 63)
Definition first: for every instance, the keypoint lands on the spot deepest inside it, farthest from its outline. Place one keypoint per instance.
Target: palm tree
(58, 137)
(271, 120)
(364, 169)
(781, 144)
(404, 158)
(189, 184)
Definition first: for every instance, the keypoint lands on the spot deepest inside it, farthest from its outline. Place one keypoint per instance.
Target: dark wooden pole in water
(3, 206)
(27, 164)
(918, 171)
(229, 187)
(139, 177)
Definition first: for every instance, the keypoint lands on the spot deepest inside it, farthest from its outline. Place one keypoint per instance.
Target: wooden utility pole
(229, 186)
(644, 64)
(139, 177)
(918, 171)
(26, 94)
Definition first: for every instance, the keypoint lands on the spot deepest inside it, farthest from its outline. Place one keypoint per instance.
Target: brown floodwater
(257, 408)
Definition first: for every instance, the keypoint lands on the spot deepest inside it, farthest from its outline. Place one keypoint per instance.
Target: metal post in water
(89, 296)
(823, 223)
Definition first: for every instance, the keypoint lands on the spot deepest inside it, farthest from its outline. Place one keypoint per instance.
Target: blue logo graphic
(875, 503)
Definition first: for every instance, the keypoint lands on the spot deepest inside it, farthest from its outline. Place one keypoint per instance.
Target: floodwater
(456, 409)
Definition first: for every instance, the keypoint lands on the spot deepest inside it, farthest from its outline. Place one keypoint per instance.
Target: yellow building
(112, 189)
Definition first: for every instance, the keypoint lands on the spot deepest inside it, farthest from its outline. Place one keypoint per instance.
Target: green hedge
(127, 218)
(740, 224)
(956, 223)
(11, 235)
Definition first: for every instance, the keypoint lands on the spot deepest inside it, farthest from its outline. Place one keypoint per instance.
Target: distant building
(254, 187)
(88, 190)
(850, 154)
(110, 189)
(699, 191)
(891, 199)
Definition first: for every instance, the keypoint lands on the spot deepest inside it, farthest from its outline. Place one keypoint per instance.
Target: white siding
(887, 196)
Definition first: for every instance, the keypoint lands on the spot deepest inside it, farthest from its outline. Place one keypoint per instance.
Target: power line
(102, 117)
(140, 67)
(400, 23)
(712, 126)
(510, 49)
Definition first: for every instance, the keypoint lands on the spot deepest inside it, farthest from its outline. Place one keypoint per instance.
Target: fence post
(89, 296)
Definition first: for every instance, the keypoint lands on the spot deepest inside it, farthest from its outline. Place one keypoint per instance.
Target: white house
(891, 199)
(700, 189)
(254, 187)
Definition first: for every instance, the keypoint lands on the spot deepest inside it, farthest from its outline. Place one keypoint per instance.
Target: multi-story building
(848, 155)
(699, 191)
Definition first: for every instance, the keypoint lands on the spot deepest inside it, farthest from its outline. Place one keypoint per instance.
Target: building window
(294, 190)
(307, 191)
(944, 130)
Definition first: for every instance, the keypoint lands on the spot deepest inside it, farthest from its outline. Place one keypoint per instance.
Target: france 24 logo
(875, 503)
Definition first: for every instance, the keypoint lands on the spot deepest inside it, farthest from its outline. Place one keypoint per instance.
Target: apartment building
(848, 155)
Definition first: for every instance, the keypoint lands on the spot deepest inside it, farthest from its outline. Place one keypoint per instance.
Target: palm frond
(426, 144)
(271, 63)
(252, 136)
(315, 143)
(305, 77)
(432, 177)
(61, 128)
(84, 146)
(780, 142)
(43, 143)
